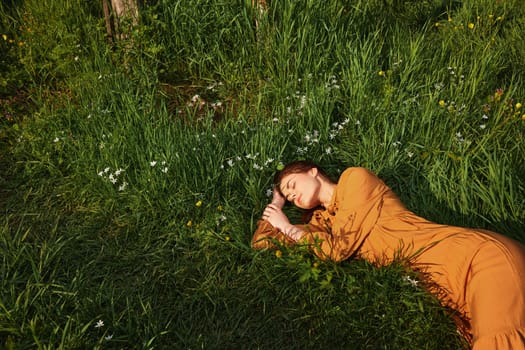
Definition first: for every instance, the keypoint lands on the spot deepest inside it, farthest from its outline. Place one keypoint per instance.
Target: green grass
(133, 175)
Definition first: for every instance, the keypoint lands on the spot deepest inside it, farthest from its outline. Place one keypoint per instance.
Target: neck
(326, 192)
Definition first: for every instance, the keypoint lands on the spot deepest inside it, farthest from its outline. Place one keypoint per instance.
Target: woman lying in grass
(479, 273)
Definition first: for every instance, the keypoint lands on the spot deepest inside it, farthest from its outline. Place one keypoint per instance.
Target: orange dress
(479, 273)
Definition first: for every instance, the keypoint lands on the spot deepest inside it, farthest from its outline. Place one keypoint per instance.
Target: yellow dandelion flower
(437, 24)
(189, 223)
(518, 105)
(20, 43)
(441, 103)
(315, 264)
(449, 18)
(471, 25)
(227, 238)
(198, 204)
(500, 18)
(219, 207)
(491, 16)
(278, 253)
(5, 37)
(523, 117)
(381, 73)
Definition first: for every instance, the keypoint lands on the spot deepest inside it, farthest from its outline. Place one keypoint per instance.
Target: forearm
(266, 236)
(293, 232)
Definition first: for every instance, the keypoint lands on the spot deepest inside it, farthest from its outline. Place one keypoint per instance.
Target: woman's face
(302, 189)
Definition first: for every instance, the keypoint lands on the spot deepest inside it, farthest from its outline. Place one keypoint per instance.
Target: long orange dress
(479, 273)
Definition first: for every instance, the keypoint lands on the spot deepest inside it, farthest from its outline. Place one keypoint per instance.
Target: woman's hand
(274, 214)
(277, 198)
(278, 219)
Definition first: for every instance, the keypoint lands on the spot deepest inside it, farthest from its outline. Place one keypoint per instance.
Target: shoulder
(358, 181)
(356, 173)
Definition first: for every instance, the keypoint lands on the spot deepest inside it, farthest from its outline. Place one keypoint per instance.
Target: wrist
(278, 203)
(292, 231)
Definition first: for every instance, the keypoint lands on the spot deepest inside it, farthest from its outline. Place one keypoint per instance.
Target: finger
(266, 213)
(270, 210)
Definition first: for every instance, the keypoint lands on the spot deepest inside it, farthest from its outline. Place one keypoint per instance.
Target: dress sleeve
(357, 205)
(268, 237)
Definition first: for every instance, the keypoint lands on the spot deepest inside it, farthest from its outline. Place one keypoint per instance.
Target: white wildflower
(99, 324)
(303, 102)
(439, 86)
(153, 163)
(411, 281)
(268, 161)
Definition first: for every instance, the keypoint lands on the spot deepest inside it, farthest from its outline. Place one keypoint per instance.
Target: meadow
(134, 172)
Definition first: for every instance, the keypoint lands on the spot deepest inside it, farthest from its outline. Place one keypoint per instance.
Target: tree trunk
(120, 17)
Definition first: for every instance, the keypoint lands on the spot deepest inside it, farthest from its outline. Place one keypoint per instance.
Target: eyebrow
(287, 185)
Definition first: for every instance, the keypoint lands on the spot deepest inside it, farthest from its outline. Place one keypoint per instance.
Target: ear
(313, 172)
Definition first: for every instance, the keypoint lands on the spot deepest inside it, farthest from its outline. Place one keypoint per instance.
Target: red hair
(297, 167)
